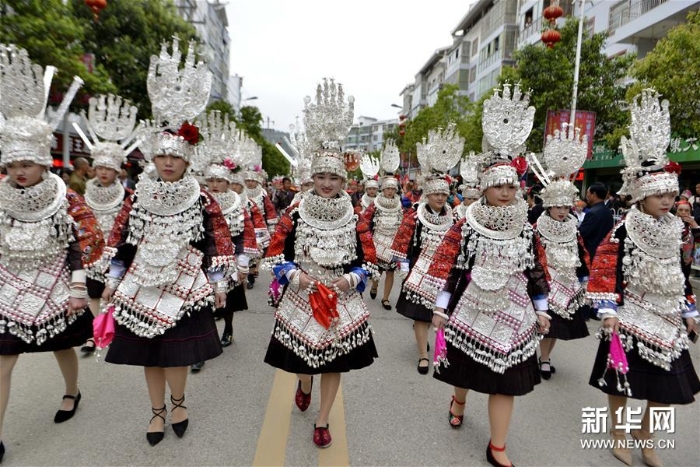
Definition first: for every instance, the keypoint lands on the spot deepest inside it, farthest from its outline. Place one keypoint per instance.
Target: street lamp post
(577, 63)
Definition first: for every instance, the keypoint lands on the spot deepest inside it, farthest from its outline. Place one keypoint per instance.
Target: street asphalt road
(242, 413)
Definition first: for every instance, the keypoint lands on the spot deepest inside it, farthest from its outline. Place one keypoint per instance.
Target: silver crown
(25, 134)
(109, 120)
(390, 157)
(177, 94)
(644, 152)
(442, 150)
(507, 121)
(469, 170)
(564, 153)
(328, 119)
(218, 141)
(302, 153)
(369, 166)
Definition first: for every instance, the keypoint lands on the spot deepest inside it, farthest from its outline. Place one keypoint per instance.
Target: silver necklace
(326, 213)
(435, 221)
(497, 222)
(34, 203)
(167, 198)
(103, 198)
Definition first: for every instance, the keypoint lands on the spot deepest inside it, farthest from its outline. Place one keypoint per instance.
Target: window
(528, 18)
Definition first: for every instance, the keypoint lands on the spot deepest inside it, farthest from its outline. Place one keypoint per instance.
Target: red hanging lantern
(402, 132)
(402, 125)
(402, 117)
(551, 37)
(96, 6)
(553, 11)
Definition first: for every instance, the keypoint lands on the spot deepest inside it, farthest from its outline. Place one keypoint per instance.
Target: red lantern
(402, 132)
(96, 6)
(402, 125)
(402, 117)
(551, 37)
(552, 12)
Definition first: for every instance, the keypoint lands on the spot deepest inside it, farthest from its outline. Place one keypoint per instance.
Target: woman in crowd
(557, 231)
(323, 256)
(48, 237)
(422, 230)
(488, 283)
(638, 286)
(171, 254)
(105, 193)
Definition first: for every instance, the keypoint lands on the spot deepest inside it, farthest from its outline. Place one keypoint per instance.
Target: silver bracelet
(220, 286)
(78, 292)
(441, 314)
(112, 282)
(295, 282)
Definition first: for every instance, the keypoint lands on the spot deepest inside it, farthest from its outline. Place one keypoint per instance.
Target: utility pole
(577, 62)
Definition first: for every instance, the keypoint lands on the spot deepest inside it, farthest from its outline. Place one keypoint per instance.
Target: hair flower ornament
(673, 167)
(189, 133)
(229, 164)
(520, 165)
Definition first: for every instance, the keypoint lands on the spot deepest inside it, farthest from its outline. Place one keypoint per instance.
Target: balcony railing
(629, 10)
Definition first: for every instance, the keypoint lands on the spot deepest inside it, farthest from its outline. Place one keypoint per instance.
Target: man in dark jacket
(597, 223)
(284, 197)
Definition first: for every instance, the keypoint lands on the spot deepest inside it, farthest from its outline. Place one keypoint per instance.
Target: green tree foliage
(450, 106)
(127, 34)
(549, 74)
(673, 69)
(51, 34)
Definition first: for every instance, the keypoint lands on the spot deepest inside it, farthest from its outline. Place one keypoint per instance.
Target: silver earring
(44, 174)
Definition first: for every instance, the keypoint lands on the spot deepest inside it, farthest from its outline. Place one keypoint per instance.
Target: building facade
(210, 20)
(368, 134)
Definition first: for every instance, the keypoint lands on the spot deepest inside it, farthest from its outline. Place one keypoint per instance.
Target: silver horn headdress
(437, 155)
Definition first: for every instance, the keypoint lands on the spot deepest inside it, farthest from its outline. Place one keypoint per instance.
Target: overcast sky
(283, 48)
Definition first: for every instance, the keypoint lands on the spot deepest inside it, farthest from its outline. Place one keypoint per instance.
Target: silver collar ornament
(105, 202)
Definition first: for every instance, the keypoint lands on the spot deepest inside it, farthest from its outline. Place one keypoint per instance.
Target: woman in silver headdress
(323, 255)
(557, 231)
(170, 249)
(488, 284)
(104, 194)
(48, 237)
(423, 228)
(638, 286)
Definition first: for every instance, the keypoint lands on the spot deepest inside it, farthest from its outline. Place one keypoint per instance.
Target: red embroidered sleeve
(403, 237)
(256, 217)
(584, 257)
(541, 255)
(270, 211)
(603, 278)
(87, 230)
(222, 253)
(369, 213)
(250, 245)
(120, 229)
(275, 252)
(368, 249)
(446, 254)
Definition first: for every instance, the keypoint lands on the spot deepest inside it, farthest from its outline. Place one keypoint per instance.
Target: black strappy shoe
(155, 437)
(180, 427)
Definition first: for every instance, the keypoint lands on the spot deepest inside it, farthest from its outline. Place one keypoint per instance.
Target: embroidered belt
(36, 299)
(498, 339)
(149, 311)
(297, 330)
(656, 322)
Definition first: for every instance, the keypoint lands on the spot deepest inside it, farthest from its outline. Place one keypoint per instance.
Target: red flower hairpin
(189, 133)
(673, 167)
(520, 165)
(229, 164)
(448, 179)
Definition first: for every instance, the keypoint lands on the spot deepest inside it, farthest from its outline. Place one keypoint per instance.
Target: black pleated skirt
(568, 329)
(285, 359)
(194, 339)
(235, 301)
(75, 334)
(412, 310)
(648, 381)
(95, 288)
(464, 372)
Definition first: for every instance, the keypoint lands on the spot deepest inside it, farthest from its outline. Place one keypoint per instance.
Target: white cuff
(215, 276)
(541, 304)
(116, 270)
(243, 260)
(606, 313)
(690, 314)
(443, 299)
(78, 276)
(290, 274)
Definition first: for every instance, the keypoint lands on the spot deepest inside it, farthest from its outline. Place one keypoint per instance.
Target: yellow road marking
(337, 454)
(272, 442)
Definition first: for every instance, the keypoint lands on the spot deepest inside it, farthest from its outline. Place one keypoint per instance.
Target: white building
(235, 83)
(368, 134)
(428, 81)
(635, 26)
(210, 20)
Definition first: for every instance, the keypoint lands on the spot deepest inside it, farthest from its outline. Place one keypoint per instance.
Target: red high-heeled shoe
(492, 460)
(301, 399)
(322, 437)
(456, 420)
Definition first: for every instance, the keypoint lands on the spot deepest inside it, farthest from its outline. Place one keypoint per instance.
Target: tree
(673, 68)
(127, 34)
(450, 106)
(51, 34)
(548, 74)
